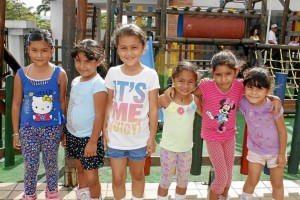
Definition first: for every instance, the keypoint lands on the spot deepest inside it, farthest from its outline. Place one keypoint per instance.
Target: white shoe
(83, 194)
(224, 198)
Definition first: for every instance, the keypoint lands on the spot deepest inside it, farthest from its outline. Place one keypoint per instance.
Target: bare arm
(63, 82)
(169, 93)
(282, 141)
(197, 92)
(16, 109)
(153, 119)
(100, 100)
(199, 106)
(110, 96)
(276, 104)
(163, 101)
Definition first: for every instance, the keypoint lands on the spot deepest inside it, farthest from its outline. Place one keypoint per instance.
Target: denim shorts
(132, 154)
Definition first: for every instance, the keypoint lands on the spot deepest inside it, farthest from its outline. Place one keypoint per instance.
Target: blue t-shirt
(41, 106)
(81, 109)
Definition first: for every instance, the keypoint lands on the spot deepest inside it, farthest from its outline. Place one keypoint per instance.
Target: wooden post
(263, 20)
(2, 36)
(94, 22)
(107, 31)
(120, 11)
(56, 52)
(158, 17)
(139, 19)
(81, 20)
(247, 21)
(284, 21)
(9, 149)
(70, 176)
(163, 24)
(119, 22)
(249, 5)
(98, 31)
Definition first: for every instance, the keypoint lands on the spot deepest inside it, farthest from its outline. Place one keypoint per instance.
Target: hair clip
(28, 38)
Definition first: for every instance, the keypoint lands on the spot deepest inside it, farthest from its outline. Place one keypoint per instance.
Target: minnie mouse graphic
(222, 116)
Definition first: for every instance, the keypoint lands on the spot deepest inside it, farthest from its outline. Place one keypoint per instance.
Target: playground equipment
(198, 46)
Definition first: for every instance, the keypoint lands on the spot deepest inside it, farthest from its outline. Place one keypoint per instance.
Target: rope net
(284, 61)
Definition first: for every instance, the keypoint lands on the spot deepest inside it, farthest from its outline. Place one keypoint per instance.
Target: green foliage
(103, 20)
(44, 7)
(16, 10)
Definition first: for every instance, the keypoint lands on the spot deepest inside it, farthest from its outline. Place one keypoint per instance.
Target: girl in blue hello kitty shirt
(38, 109)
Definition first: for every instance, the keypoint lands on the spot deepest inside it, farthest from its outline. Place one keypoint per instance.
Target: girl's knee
(277, 184)
(137, 174)
(119, 180)
(252, 182)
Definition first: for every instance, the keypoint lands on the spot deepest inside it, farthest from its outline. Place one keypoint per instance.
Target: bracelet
(16, 134)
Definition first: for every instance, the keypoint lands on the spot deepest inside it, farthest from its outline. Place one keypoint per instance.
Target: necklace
(180, 99)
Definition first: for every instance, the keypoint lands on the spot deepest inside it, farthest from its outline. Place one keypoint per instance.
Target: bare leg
(138, 177)
(119, 177)
(276, 178)
(93, 183)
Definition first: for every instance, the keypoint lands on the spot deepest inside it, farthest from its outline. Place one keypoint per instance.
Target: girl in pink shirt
(220, 98)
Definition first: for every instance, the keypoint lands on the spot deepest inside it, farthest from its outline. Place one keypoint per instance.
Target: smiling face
(184, 82)
(256, 96)
(224, 77)
(130, 50)
(40, 52)
(86, 68)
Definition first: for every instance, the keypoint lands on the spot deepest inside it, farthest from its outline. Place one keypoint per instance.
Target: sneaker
(83, 194)
(52, 195)
(224, 198)
(29, 197)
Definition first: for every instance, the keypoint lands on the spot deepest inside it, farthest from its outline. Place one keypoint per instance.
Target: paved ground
(196, 190)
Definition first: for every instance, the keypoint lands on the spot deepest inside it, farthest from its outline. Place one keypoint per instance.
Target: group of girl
(120, 115)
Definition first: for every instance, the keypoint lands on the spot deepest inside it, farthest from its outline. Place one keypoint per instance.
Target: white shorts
(271, 160)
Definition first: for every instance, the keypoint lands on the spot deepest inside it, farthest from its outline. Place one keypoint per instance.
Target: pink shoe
(29, 197)
(52, 195)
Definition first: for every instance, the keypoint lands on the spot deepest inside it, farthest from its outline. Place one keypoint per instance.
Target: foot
(83, 194)
(52, 195)
(224, 198)
(29, 197)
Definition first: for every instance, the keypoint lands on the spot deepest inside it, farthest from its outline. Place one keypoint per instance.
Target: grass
(16, 172)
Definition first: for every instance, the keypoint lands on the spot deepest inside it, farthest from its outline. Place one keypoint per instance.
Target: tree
(16, 10)
(44, 7)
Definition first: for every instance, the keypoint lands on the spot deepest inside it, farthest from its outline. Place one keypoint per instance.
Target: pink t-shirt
(219, 110)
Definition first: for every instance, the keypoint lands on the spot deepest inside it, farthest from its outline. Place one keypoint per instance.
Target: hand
(169, 93)
(90, 149)
(281, 160)
(275, 107)
(151, 146)
(105, 138)
(16, 142)
(204, 80)
(64, 141)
